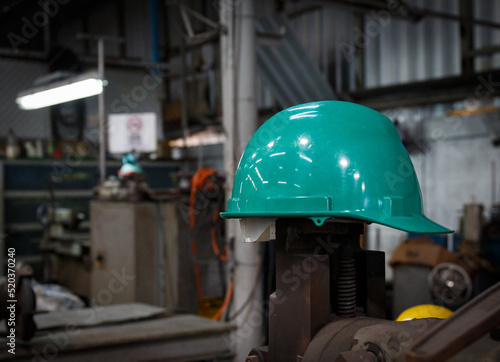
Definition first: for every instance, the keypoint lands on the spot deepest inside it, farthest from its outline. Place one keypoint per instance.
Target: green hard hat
(329, 159)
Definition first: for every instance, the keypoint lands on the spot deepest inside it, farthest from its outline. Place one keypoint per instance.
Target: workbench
(126, 332)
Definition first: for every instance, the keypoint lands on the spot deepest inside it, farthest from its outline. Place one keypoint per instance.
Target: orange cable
(197, 182)
(224, 305)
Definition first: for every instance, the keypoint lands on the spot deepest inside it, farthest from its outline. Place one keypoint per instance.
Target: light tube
(60, 92)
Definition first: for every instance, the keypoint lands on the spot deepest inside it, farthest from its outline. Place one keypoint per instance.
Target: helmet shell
(424, 311)
(329, 159)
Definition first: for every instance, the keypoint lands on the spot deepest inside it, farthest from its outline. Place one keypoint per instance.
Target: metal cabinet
(125, 253)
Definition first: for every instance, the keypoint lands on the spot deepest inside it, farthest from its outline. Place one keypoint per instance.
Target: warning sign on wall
(132, 132)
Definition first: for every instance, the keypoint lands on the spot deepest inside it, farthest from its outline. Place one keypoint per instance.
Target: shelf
(26, 194)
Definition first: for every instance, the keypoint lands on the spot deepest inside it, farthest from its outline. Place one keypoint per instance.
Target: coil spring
(346, 288)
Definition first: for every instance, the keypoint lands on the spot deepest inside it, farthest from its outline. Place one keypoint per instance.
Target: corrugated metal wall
(483, 37)
(396, 50)
(327, 33)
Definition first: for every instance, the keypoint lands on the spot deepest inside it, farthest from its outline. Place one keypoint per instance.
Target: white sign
(129, 132)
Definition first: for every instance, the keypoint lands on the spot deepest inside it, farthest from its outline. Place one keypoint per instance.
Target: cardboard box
(420, 251)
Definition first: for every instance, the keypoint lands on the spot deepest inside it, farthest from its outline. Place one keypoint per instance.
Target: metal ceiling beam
(415, 13)
(429, 92)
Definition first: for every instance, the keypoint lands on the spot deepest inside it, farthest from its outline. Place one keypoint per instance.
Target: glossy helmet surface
(329, 159)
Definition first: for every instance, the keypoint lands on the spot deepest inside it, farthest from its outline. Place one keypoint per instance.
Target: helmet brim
(415, 223)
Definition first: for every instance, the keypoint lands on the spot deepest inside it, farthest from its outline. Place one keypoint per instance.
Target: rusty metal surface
(302, 304)
(370, 282)
(387, 340)
(177, 332)
(315, 278)
(198, 348)
(336, 338)
(484, 349)
(357, 356)
(478, 317)
(87, 317)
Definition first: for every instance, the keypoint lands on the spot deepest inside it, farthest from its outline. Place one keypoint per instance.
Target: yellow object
(424, 311)
(209, 306)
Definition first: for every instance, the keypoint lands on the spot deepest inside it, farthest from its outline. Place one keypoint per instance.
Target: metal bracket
(193, 39)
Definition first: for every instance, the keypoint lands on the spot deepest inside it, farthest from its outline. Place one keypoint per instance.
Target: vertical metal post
(239, 120)
(184, 105)
(154, 30)
(493, 182)
(359, 56)
(2, 217)
(467, 37)
(47, 35)
(102, 121)
(228, 102)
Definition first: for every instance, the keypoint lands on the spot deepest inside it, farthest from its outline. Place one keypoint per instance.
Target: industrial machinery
(475, 266)
(130, 185)
(65, 245)
(309, 178)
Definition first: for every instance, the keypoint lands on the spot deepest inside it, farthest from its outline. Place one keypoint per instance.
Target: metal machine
(309, 178)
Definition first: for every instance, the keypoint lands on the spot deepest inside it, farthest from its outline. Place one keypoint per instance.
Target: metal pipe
(184, 104)
(228, 102)
(3, 236)
(47, 36)
(493, 182)
(246, 114)
(154, 31)
(102, 122)
(466, 37)
(240, 122)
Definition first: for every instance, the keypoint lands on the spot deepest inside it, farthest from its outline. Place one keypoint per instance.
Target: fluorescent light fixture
(70, 89)
(202, 138)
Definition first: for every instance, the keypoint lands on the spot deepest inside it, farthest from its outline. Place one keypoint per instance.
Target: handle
(478, 317)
